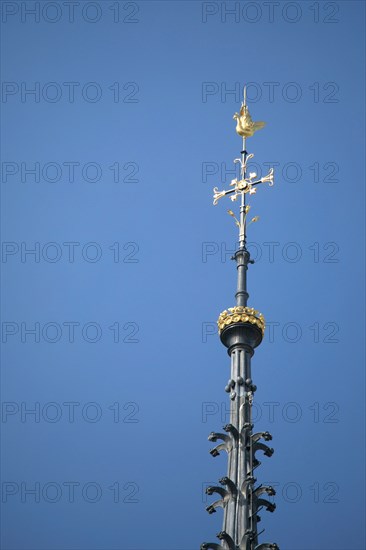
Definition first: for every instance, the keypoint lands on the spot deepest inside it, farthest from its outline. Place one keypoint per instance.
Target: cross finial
(246, 184)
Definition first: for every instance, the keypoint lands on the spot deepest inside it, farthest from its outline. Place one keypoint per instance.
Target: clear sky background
(131, 126)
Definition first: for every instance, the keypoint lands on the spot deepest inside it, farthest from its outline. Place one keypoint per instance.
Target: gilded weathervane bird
(245, 127)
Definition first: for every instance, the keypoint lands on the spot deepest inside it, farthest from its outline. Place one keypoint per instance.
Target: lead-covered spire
(241, 329)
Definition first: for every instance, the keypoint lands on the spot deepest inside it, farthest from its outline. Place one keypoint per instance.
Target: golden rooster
(245, 127)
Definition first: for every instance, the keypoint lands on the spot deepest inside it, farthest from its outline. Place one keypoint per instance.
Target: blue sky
(128, 129)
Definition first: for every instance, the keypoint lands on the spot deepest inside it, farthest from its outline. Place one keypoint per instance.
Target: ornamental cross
(244, 185)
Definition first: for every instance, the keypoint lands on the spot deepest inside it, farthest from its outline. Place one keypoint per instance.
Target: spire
(241, 330)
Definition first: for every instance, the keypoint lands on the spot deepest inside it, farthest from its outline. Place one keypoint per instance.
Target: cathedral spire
(241, 330)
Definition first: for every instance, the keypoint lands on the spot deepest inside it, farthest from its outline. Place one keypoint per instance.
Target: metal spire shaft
(242, 237)
(242, 256)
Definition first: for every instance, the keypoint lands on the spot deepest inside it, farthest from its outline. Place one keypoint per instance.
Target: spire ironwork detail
(241, 329)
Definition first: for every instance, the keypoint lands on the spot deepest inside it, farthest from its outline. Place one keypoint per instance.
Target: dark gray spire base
(238, 495)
